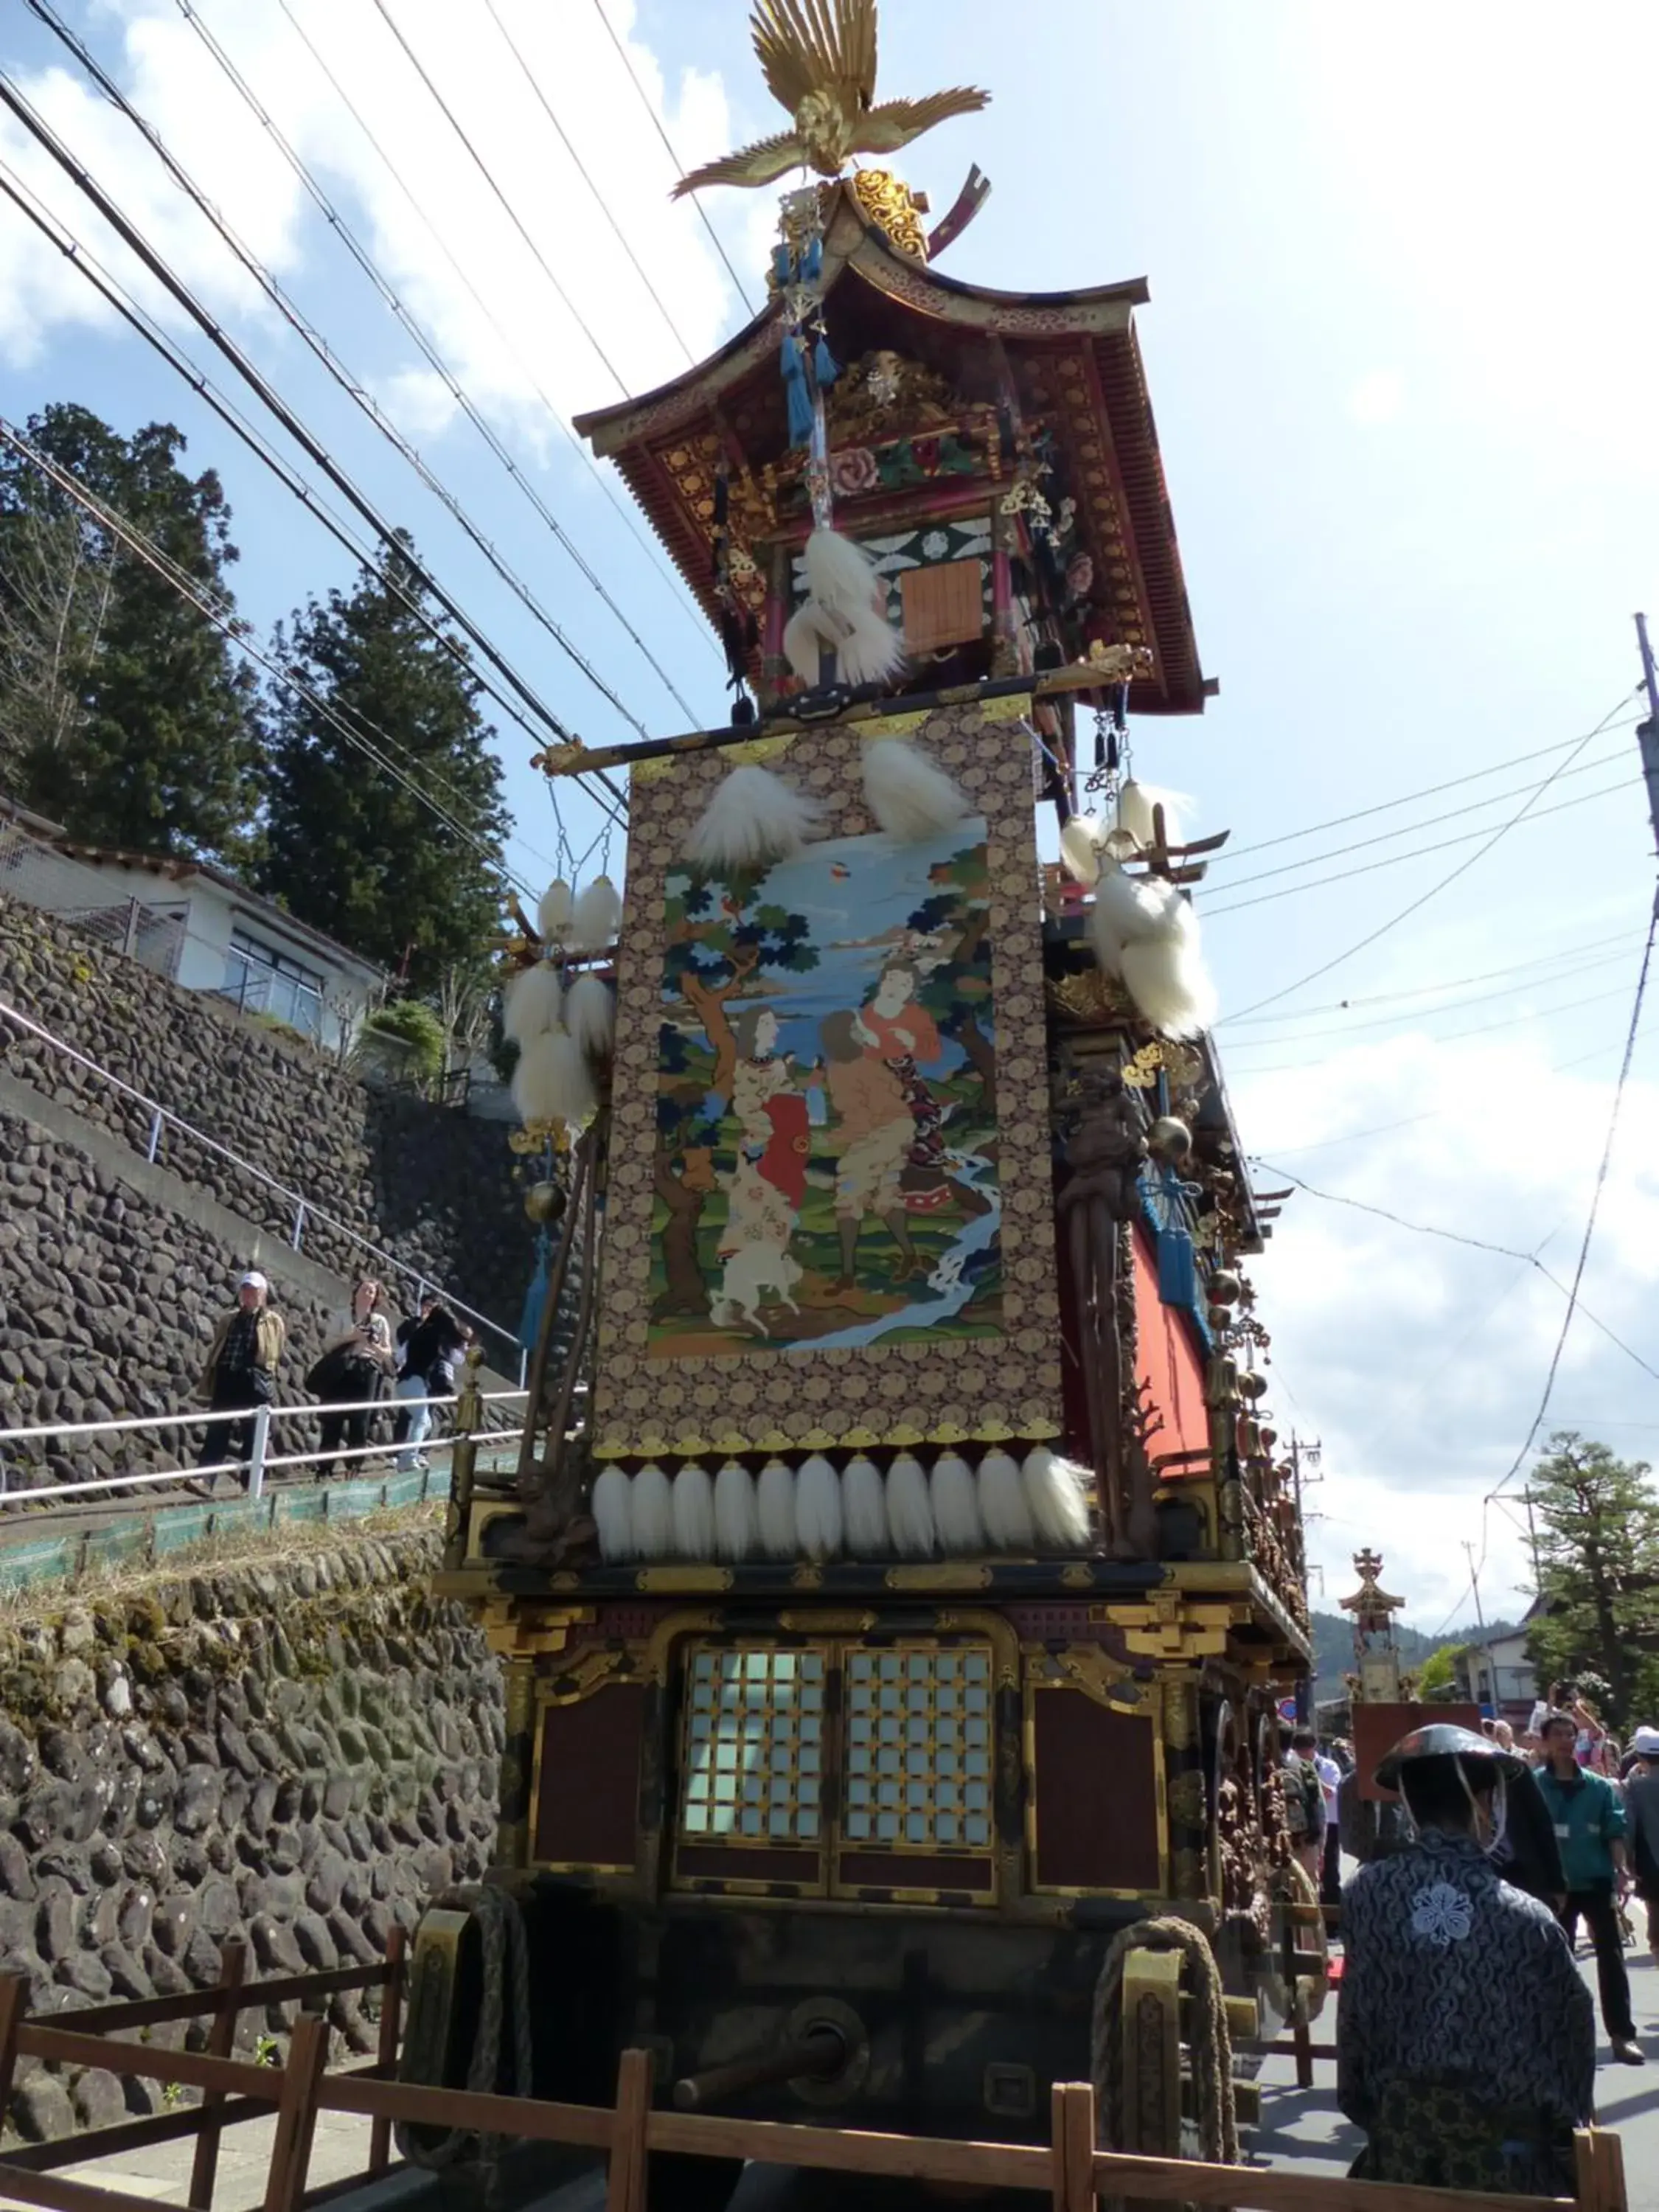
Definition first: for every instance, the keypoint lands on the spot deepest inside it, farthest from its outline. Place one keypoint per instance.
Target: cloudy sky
(1401, 343)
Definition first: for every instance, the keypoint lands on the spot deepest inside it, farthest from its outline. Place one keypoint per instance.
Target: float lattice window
(754, 1747)
(918, 1750)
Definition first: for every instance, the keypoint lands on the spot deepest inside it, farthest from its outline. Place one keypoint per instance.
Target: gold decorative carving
(943, 1575)
(1181, 1714)
(1091, 1000)
(883, 393)
(672, 1580)
(890, 202)
(826, 1624)
(588, 1672)
(1085, 1667)
(1184, 1796)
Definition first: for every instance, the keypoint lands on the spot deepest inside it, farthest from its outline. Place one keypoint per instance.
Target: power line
(423, 340)
(1449, 1036)
(1434, 890)
(1456, 982)
(139, 320)
(581, 170)
(511, 212)
(1406, 829)
(318, 345)
(1416, 853)
(625, 513)
(138, 542)
(679, 166)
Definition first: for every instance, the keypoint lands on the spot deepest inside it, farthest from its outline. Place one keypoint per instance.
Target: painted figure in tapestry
(827, 1143)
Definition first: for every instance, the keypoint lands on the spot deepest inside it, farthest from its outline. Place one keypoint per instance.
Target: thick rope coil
(1211, 2044)
(505, 1953)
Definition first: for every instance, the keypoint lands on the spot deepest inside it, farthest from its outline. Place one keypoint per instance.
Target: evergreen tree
(349, 846)
(127, 713)
(1597, 1520)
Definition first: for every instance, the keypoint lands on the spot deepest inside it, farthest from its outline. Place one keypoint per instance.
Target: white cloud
(1418, 1361)
(1377, 397)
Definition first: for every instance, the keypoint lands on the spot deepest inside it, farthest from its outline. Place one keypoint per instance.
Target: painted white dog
(755, 1251)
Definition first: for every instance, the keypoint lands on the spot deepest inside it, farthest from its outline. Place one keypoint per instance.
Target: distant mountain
(1333, 1640)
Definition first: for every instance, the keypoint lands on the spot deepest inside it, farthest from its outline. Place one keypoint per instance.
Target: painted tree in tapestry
(826, 1169)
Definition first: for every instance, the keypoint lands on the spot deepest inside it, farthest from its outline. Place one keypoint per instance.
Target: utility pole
(1647, 733)
(1474, 1584)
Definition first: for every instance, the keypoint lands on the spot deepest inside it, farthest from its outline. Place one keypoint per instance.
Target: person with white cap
(1642, 1826)
(241, 1374)
(1465, 2038)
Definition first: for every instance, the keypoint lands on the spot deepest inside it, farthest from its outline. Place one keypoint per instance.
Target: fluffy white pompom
(1079, 848)
(595, 916)
(1058, 1495)
(817, 1509)
(694, 1512)
(553, 915)
(736, 1519)
(1002, 1505)
(590, 1015)
(611, 1515)
(845, 611)
(864, 1508)
(908, 796)
(1136, 803)
(753, 818)
(956, 1506)
(531, 1003)
(775, 1499)
(652, 1514)
(909, 1507)
(551, 1082)
(1146, 930)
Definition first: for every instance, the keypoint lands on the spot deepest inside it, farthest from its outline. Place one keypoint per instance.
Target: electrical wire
(1406, 829)
(423, 338)
(603, 206)
(1422, 898)
(507, 208)
(1452, 1037)
(1455, 983)
(154, 557)
(139, 320)
(1416, 853)
(625, 513)
(679, 166)
(353, 387)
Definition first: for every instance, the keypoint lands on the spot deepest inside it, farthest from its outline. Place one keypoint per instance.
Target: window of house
(260, 980)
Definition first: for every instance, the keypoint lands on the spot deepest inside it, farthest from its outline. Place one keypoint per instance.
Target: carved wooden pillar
(518, 1764)
(1184, 1793)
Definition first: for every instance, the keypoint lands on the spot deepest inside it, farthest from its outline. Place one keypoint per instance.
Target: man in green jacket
(1588, 1817)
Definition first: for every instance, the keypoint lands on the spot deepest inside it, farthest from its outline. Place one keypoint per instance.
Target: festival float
(901, 1579)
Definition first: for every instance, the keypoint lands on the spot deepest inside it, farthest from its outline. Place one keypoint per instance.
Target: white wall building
(199, 926)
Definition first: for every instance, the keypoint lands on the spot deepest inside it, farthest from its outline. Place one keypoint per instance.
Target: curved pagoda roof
(1069, 361)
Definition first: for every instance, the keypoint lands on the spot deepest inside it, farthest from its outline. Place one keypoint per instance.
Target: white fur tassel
(737, 1521)
(553, 915)
(551, 1082)
(651, 1513)
(694, 1512)
(1079, 848)
(531, 1003)
(1002, 1505)
(1146, 930)
(1058, 1495)
(595, 916)
(611, 1517)
(775, 1500)
(909, 1507)
(817, 1509)
(908, 796)
(1136, 803)
(590, 1015)
(864, 1508)
(956, 1506)
(753, 818)
(845, 612)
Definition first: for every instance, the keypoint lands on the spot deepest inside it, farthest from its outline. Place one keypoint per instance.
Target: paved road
(1302, 2130)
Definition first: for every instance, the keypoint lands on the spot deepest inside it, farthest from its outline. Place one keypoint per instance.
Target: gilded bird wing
(754, 165)
(897, 122)
(817, 46)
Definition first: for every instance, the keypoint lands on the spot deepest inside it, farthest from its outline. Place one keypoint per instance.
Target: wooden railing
(1069, 2168)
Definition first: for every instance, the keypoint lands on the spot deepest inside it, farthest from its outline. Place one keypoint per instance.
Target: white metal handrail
(162, 1117)
(260, 1461)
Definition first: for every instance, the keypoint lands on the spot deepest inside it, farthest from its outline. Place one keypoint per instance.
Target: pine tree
(1597, 1522)
(350, 847)
(129, 716)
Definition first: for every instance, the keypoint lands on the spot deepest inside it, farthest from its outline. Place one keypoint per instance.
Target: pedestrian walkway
(162, 2172)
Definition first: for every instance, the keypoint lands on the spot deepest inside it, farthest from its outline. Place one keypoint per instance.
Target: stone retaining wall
(299, 1750)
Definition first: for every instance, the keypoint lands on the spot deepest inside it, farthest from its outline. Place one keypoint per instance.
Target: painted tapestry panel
(830, 1220)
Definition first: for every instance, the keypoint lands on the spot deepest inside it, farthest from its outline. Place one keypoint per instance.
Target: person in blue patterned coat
(1465, 2038)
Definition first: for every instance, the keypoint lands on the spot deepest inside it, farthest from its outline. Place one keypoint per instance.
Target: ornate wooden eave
(1074, 362)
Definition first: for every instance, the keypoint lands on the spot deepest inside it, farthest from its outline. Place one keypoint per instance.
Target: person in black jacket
(428, 1347)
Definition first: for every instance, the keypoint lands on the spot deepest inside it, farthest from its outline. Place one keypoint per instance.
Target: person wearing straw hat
(1465, 2040)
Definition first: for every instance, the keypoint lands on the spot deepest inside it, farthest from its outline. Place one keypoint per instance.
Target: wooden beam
(391, 2017)
(1073, 2108)
(625, 2185)
(222, 2043)
(296, 2115)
